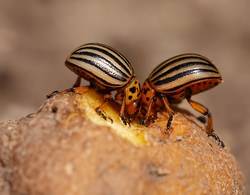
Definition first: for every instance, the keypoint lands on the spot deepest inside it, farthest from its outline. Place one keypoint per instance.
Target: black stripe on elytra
(124, 58)
(116, 52)
(174, 91)
(180, 66)
(103, 69)
(94, 55)
(83, 72)
(110, 55)
(170, 61)
(183, 74)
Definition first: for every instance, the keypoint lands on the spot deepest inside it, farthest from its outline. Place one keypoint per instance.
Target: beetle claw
(52, 94)
(217, 139)
(146, 122)
(169, 129)
(170, 119)
(125, 120)
(167, 132)
(143, 122)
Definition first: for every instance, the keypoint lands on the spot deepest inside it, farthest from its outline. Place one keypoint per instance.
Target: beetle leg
(209, 129)
(77, 82)
(217, 139)
(203, 110)
(170, 111)
(145, 121)
(124, 119)
(120, 97)
(52, 94)
(99, 109)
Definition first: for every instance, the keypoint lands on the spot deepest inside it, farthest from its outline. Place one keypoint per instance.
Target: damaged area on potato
(88, 99)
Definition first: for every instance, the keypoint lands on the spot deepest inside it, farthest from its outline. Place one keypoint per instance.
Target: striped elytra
(107, 70)
(182, 71)
(176, 79)
(100, 63)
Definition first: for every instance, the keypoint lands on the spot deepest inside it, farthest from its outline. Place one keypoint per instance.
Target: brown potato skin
(58, 150)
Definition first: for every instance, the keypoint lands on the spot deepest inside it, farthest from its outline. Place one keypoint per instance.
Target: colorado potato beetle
(179, 78)
(107, 70)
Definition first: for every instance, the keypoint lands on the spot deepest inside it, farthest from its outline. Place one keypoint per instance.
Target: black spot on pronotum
(136, 82)
(132, 89)
(130, 97)
(147, 98)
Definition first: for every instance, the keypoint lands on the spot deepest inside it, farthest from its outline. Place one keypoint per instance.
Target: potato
(67, 148)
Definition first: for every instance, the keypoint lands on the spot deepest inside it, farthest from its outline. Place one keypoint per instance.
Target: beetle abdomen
(185, 70)
(101, 64)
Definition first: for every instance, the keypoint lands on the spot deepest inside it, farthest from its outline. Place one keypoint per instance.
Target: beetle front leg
(52, 94)
(146, 119)
(77, 82)
(120, 97)
(124, 119)
(75, 85)
(170, 112)
(99, 109)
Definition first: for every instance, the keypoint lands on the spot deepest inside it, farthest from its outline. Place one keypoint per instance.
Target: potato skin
(60, 150)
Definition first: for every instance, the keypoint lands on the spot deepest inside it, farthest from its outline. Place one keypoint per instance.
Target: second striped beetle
(178, 78)
(107, 70)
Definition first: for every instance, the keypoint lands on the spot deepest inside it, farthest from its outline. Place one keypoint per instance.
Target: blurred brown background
(37, 35)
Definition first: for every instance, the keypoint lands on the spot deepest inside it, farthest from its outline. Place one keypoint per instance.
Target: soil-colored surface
(66, 148)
